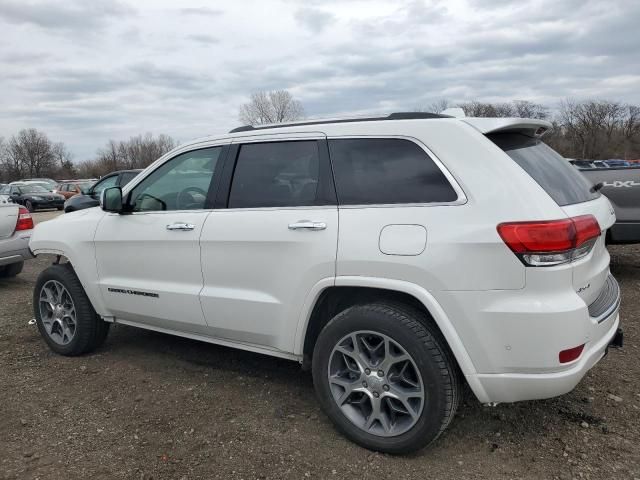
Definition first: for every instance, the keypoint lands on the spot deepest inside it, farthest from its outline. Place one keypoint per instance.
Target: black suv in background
(92, 197)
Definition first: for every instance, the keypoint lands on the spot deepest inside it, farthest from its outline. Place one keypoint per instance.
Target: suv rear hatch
(8, 219)
(520, 139)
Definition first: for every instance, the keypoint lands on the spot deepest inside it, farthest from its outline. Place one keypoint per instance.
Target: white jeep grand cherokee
(397, 257)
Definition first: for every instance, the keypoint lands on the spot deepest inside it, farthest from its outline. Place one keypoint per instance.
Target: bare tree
(64, 161)
(137, 152)
(436, 106)
(271, 107)
(4, 172)
(631, 130)
(29, 153)
(487, 109)
(527, 109)
(596, 129)
(517, 108)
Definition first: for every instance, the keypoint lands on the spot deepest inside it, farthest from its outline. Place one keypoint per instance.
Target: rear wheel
(385, 377)
(11, 270)
(64, 315)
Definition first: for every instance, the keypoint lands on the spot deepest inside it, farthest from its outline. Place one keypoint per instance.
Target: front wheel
(64, 315)
(29, 205)
(385, 377)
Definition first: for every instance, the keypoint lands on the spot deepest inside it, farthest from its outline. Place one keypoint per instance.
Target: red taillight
(569, 355)
(25, 221)
(587, 228)
(541, 243)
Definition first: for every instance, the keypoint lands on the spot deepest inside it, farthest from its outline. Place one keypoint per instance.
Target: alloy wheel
(376, 383)
(57, 312)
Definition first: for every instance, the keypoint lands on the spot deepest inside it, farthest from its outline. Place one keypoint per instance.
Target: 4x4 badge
(582, 289)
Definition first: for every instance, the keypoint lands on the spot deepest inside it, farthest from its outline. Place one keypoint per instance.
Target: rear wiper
(596, 187)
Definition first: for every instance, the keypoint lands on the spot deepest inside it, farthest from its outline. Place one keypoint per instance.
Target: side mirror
(111, 200)
(15, 194)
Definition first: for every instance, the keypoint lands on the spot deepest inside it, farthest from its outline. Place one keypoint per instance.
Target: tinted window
(553, 172)
(386, 171)
(105, 183)
(182, 183)
(278, 174)
(126, 177)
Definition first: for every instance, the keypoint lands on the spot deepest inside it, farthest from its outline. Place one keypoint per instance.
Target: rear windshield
(554, 173)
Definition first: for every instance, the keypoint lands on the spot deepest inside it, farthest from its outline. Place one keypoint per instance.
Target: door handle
(181, 226)
(307, 225)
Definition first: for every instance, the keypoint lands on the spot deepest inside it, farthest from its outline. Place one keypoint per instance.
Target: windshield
(44, 185)
(33, 189)
(553, 173)
(84, 187)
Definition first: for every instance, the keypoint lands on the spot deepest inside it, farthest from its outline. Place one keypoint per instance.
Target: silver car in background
(16, 226)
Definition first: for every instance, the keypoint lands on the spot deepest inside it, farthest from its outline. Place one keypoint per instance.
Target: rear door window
(553, 172)
(386, 171)
(276, 174)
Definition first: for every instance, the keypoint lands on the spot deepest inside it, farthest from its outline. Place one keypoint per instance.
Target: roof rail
(392, 116)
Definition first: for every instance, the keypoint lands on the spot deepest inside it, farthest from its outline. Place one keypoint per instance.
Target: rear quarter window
(554, 173)
(386, 171)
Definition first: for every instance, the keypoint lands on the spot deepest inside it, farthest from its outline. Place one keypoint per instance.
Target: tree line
(30, 153)
(589, 129)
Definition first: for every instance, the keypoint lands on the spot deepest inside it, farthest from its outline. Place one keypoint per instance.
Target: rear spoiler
(528, 126)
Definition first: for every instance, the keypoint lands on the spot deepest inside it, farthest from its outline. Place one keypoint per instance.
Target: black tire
(29, 205)
(11, 270)
(421, 339)
(59, 208)
(91, 331)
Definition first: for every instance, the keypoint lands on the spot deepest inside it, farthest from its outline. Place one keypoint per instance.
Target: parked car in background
(492, 272)
(91, 197)
(16, 226)
(617, 163)
(582, 163)
(70, 189)
(47, 186)
(621, 185)
(4, 198)
(33, 197)
(49, 181)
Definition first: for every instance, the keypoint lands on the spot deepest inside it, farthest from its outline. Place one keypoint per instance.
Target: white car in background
(396, 257)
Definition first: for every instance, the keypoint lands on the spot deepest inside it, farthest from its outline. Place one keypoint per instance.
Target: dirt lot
(149, 405)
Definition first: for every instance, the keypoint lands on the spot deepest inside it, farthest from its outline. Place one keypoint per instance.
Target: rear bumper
(624, 232)
(514, 387)
(15, 249)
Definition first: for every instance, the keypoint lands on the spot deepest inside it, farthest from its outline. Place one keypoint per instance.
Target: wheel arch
(86, 274)
(348, 291)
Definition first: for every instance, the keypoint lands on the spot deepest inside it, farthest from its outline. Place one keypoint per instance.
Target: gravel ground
(149, 405)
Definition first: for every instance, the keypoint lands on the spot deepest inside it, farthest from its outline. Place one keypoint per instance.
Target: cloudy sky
(86, 71)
